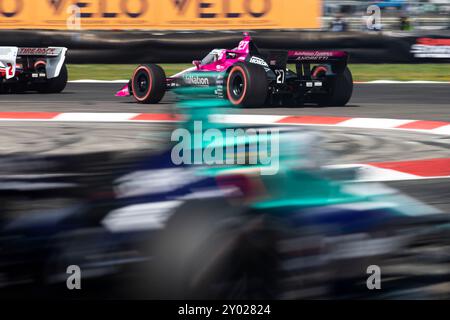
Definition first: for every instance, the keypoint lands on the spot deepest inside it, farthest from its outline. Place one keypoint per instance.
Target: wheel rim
(237, 86)
(142, 82)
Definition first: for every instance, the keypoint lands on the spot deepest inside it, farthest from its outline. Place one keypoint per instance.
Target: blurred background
(174, 31)
(421, 15)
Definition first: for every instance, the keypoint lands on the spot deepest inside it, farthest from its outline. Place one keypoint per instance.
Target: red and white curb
(424, 126)
(383, 171)
(433, 127)
(401, 170)
(386, 171)
(88, 117)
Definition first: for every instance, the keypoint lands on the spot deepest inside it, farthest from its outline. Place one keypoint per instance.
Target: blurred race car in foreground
(32, 69)
(247, 77)
(153, 229)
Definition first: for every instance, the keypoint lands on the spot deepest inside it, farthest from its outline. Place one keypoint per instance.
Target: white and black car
(32, 69)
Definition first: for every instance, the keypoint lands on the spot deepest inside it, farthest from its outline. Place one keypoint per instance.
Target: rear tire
(247, 85)
(341, 90)
(5, 88)
(18, 88)
(148, 84)
(55, 85)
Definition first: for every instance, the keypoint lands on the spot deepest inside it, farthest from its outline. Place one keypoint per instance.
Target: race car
(142, 227)
(248, 77)
(32, 69)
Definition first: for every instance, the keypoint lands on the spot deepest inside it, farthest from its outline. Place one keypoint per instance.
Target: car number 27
(281, 76)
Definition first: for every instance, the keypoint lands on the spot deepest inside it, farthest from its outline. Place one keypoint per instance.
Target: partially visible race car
(161, 231)
(248, 77)
(32, 69)
(144, 227)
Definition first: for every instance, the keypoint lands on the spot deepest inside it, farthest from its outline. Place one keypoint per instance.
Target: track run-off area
(398, 133)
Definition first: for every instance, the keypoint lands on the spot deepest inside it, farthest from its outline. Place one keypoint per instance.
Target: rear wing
(337, 59)
(54, 58)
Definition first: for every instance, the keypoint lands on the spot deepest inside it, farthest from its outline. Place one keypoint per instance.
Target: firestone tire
(148, 84)
(247, 85)
(341, 90)
(55, 85)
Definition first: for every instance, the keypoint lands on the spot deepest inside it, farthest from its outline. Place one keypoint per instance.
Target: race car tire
(55, 85)
(4, 89)
(148, 84)
(341, 90)
(18, 88)
(205, 255)
(247, 85)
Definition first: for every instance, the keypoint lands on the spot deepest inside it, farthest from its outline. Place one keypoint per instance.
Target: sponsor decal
(220, 86)
(312, 53)
(209, 9)
(10, 9)
(316, 55)
(256, 60)
(38, 51)
(431, 48)
(159, 14)
(196, 80)
(322, 58)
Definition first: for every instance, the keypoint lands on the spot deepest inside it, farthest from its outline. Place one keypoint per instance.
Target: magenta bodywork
(224, 61)
(124, 92)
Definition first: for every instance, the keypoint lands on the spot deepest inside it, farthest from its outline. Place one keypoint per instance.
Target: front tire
(247, 85)
(148, 84)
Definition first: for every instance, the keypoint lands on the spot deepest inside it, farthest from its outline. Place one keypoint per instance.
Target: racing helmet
(213, 56)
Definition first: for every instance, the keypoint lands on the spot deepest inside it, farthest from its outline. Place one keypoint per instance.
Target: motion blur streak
(139, 226)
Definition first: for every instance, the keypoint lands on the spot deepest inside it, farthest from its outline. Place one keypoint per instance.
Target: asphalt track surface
(396, 101)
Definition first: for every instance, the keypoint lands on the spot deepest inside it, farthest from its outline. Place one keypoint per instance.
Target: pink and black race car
(32, 69)
(248, 77)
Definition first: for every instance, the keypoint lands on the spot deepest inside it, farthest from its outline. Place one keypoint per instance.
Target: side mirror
(196, 63)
